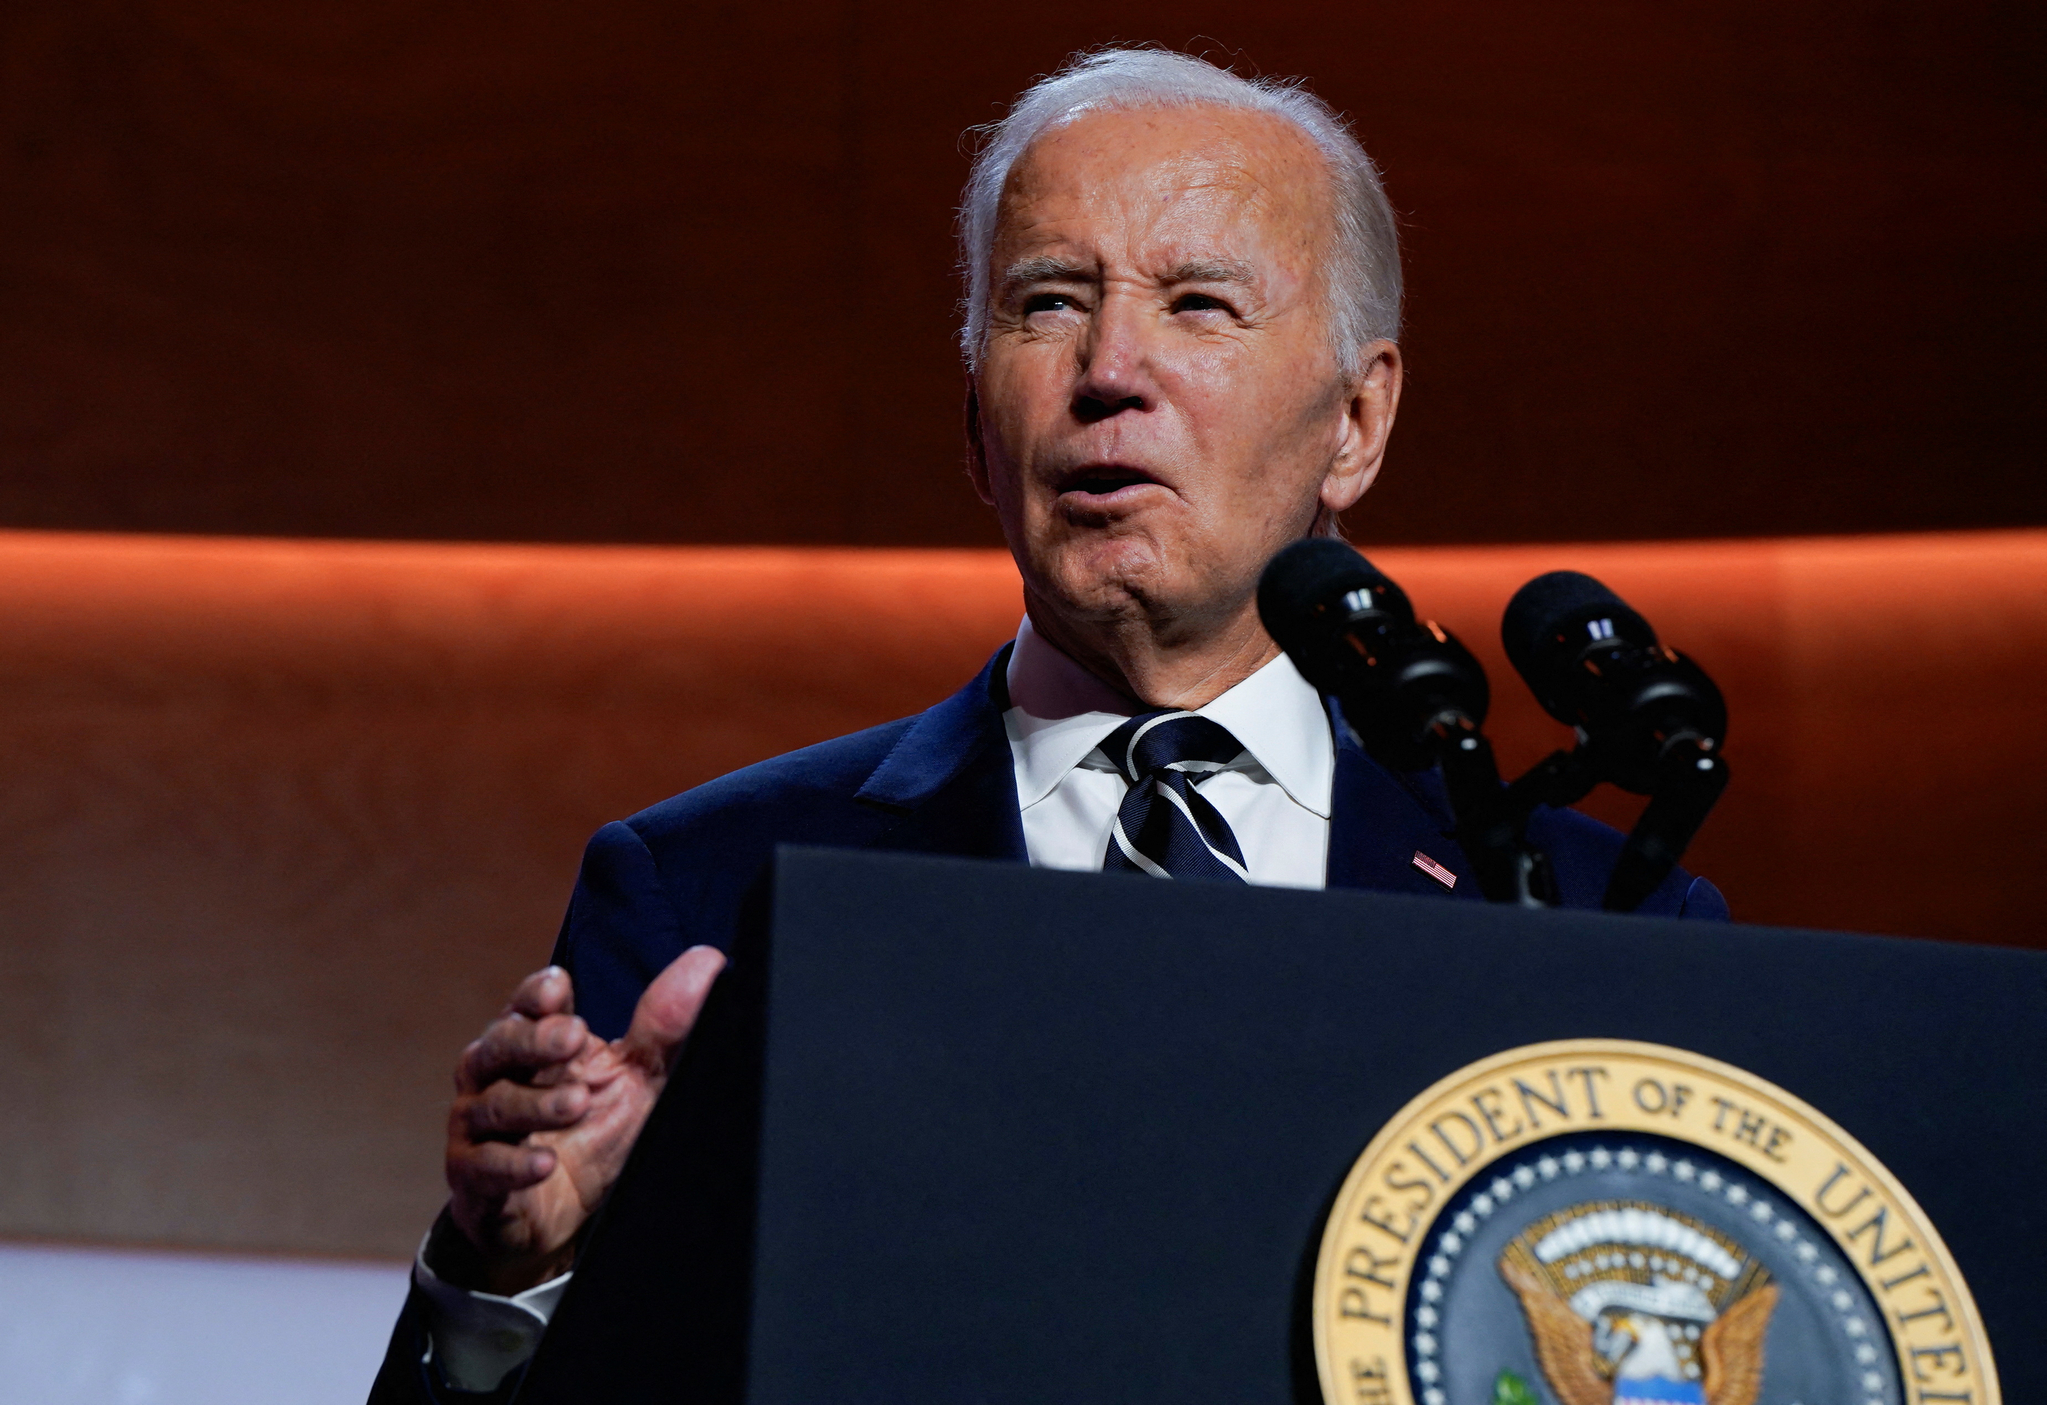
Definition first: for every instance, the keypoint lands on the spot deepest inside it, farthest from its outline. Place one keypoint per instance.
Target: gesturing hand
(545, 1113)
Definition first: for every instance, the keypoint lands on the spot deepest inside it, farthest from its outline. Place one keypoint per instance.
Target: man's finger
(511, 1110)
(548, 991)
(516, 1046)
(669, 1007)
(493, 1170)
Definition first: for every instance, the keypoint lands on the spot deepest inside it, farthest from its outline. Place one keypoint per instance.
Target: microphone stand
(1690, 774)
(1492, 819)
(1689, 778)
(1648, 720)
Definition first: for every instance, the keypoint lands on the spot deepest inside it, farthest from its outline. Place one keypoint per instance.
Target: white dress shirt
(1276, 798)
(478, 1338)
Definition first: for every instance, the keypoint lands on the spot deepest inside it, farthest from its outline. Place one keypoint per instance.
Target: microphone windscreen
(1558, 606)
(1310, 575)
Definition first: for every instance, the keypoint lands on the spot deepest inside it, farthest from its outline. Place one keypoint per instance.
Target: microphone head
(1315, 586)
(1554, 619)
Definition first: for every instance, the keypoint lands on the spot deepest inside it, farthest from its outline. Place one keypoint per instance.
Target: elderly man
(1183, 293)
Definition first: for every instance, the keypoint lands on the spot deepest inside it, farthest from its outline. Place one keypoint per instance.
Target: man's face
(1159, 403)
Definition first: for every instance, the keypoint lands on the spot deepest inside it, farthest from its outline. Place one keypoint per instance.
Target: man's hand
(545, 1113)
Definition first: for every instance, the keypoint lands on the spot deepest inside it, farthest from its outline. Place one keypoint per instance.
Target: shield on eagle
(1631, 1303)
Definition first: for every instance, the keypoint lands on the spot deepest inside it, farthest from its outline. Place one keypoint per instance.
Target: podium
(955, 1131)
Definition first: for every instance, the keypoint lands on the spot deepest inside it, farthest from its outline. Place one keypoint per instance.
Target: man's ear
(1368, 423)
(977, 452)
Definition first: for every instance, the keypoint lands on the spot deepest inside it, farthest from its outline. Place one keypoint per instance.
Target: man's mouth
(1104, 480)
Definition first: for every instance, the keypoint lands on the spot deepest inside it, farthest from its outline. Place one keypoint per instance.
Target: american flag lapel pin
(1434, 870)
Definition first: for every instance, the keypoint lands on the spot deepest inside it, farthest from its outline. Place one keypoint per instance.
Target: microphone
(1405, 685)
(1648, 719)
(1413, 694)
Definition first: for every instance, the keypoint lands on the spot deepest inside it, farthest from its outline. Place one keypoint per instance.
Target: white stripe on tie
(1130, 751)
(1224, 859)
(1131, 853)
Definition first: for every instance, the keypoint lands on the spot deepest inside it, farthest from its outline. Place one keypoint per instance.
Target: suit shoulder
(1568, 832)
(1583, 851)
(793, 783)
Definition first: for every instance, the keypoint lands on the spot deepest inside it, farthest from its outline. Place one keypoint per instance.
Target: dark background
(668, 272)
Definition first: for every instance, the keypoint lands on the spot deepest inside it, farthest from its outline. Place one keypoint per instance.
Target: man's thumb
(668, 1009)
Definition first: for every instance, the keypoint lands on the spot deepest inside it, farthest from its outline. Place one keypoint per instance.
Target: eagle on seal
(1630, 1304)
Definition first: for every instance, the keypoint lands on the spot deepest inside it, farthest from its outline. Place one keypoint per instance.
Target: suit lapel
(1380, 821)
(949, 787)
(951, 782)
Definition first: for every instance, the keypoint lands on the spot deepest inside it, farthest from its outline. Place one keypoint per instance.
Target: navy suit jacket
(687, 871)
(943, 782)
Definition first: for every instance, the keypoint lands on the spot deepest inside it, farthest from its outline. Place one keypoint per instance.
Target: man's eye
(1199, 302)
(1047, 302)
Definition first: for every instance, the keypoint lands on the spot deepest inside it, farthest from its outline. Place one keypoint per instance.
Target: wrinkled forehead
(1170, 181)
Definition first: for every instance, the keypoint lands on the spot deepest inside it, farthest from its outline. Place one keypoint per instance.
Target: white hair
(1363, 279)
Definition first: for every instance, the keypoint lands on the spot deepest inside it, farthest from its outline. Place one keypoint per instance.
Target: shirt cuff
(477, 1339)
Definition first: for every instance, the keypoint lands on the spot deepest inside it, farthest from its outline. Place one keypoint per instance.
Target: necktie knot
(1165, 827)
(1169, 740)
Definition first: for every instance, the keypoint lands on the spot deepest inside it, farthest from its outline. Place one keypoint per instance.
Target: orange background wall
(283, 821)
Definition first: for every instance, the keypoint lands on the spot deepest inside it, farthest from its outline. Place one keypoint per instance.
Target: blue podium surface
(969, 1132)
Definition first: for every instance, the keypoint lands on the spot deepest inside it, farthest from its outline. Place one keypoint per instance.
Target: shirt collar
(1060, 713)
(1280, 720)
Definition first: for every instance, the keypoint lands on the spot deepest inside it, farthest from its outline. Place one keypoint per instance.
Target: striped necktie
(1165, 827)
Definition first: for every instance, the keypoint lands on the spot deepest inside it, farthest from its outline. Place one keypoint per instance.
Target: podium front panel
(1030, 1136)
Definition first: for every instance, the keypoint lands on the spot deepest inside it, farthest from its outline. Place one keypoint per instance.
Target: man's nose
(1115, 364)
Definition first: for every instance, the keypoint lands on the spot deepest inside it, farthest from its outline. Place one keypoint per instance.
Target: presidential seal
(1601, 1222)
